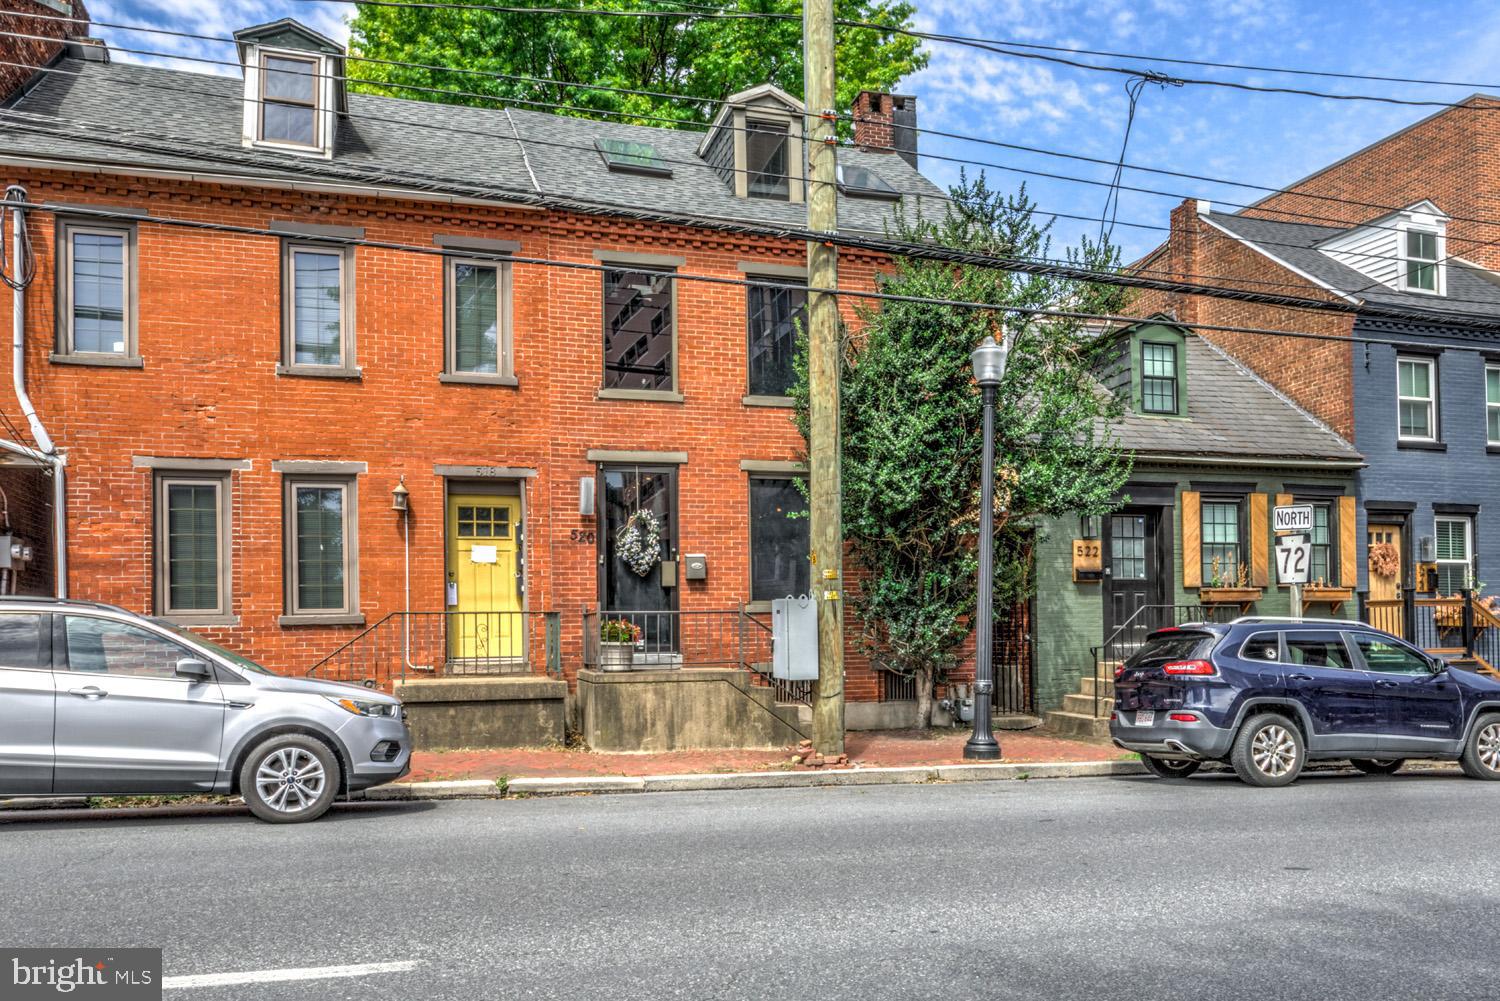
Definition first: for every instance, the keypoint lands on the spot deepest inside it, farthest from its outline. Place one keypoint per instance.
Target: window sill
(1422, 446)
(640, 395)
(320, 372)
(767, 401)
(193, 621)
(477, 379)
(1492, 449)
(97, 360)
(758, 607)
(334, 619)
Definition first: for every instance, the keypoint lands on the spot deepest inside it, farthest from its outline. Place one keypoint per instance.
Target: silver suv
(96, 700)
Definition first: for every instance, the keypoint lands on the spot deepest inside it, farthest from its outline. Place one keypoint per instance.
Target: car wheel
(289, 779)
(1170, 768)
(1378, 766)
(1268, 751)
(1481, 758)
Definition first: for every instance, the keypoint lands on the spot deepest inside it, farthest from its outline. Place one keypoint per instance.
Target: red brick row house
(268, 313)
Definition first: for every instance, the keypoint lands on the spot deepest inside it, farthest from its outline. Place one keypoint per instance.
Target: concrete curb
(485, 789)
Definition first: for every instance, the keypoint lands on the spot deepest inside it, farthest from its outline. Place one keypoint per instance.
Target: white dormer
(294, 88)
(755, 144)
(1405, 250)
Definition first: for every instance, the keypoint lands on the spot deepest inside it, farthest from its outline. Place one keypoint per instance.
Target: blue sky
(1267, 139)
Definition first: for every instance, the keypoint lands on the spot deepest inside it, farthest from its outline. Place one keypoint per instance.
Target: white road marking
(281, 976)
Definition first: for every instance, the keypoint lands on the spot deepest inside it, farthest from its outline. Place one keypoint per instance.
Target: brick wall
(209, 334)
(31, 52)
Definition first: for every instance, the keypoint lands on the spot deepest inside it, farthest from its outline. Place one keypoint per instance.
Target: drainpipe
(49, 452)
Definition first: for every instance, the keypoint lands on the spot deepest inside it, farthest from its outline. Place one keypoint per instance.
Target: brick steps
(1082, 714)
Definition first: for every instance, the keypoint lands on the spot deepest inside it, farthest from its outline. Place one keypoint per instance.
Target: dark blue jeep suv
(1268, 695)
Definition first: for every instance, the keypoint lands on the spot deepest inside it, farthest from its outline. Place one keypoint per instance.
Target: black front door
(1133, 579)
(643, 589)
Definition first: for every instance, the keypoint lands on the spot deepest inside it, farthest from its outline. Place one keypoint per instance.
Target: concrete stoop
(1082, 715)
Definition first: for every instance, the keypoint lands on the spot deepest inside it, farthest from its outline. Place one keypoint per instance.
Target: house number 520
(585, 535)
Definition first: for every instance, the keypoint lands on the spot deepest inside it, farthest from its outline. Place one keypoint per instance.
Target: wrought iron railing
(1460, 626)
(1128, 636)
(405, 645)
(702, 638)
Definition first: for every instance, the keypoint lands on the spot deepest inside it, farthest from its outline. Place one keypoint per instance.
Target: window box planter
(1334, 597)
(1241, 596)
(616, 656)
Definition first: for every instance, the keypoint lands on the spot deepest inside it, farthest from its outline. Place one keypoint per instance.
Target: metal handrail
(1114, 638)
(467, 643)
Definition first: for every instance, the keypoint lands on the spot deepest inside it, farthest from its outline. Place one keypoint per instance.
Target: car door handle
(91, 692)
(1299, 677)
(1386, 684)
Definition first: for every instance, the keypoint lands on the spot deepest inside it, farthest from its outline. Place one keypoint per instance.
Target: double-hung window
(766, 155)
(478, 323)
(318, 309)
(192, 545)
(321, 552)
(779, 539)
(289, 100)
(1416, 398)
(1321, 568)
(1455, 554)
(1158, 378)
(1222, 550)
(776, 311)
(1492, 403)
(96, 295)
(1421, 260)
(639, 330)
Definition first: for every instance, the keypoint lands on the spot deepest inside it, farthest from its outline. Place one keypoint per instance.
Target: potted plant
(617, 640)
(1228, 588)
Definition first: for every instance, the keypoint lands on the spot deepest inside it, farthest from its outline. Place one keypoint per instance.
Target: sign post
(1293, 524)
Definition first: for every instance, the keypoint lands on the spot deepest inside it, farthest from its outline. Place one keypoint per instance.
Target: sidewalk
(866, 749)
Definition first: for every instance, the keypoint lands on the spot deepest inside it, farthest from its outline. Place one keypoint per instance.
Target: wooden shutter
(1260, 530)
(1348, 568)
(1283, 500)
(1192, 540)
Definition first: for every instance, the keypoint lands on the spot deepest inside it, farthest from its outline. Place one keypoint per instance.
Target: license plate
(1145, 717)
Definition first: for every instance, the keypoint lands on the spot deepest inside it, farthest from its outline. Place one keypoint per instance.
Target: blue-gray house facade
(1425, 384)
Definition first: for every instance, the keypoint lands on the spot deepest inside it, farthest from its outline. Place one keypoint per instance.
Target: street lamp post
(989, 368)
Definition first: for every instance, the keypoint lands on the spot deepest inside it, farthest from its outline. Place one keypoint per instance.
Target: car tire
(1481, 758)
(290, 779)
(1170, 768)
(1378, 766)
(1268, 751)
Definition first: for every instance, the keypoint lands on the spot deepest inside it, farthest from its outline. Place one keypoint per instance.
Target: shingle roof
(1231, 413)
(154, 118)
(1471, 291)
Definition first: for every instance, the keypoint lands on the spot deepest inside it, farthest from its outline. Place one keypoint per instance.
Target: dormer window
(1158, 378)
(1421, 260)
(289, 100)
(766, 159)
(294, 88)
(755, 144)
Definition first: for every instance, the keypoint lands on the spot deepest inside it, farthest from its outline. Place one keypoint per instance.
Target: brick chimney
(1183, 253)
(36, 52)
(886, 123)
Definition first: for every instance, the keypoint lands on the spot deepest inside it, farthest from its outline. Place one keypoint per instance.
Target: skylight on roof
(861, 182)
(632, 157)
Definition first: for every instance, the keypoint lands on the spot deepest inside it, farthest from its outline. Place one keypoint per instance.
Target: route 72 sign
(1293, 559)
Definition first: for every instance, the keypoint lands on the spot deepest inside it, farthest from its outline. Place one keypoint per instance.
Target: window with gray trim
(289, 99)
(779, 538)
(317, 308)
(1158, 378)
(478, 323)
(639, 332)
(96, 296)
(192, 545)
(776, 309)
(766, 146)
(321, 554)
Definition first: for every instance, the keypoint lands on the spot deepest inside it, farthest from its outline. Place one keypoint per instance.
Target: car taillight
(1196, 667)
(1182, 717)
(1114, 716)
(1119, 670)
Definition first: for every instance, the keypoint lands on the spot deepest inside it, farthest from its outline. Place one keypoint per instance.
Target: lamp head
(989, 362)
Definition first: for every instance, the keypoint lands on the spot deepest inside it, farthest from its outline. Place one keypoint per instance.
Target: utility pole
(826, 508)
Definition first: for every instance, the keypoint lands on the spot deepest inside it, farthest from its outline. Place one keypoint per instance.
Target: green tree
(912, 426)
(695, 58)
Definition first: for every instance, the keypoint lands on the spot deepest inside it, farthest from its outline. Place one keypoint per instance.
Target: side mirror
(193, 669)
(1436, 665)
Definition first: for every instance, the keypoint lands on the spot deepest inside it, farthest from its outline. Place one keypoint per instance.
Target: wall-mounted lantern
(400, 496)
(1088, 526)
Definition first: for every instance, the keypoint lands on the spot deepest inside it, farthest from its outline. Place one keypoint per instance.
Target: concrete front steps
(1078, 718)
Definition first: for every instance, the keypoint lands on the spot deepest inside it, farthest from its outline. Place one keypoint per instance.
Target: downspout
(17, 193)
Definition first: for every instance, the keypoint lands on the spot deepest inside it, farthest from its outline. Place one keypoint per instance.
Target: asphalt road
(1338, 887)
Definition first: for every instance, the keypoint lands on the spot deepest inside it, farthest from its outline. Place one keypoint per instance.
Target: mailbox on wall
(794, 639)
(695, 567)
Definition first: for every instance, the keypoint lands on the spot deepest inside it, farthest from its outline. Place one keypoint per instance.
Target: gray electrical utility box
(794, 639)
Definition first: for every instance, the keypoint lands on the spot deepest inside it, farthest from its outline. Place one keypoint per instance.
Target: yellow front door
(1385, 577)
(484, 581)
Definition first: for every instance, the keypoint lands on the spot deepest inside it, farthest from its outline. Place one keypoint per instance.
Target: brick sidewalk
(867, 749)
